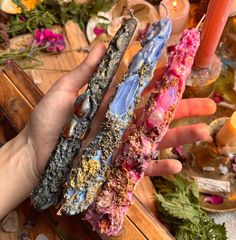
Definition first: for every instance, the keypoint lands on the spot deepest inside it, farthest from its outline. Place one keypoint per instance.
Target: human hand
(184, 134)
(181, 135)
(23, 159)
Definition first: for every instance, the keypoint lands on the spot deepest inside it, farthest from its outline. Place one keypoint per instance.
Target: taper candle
(216, 17)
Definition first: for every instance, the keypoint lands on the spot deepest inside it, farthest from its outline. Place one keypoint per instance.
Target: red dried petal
(214, 199)
(98, 31)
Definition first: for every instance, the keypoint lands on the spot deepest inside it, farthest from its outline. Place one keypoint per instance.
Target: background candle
(227, 134)
(233, 9)
(178, 12)
(216, 17)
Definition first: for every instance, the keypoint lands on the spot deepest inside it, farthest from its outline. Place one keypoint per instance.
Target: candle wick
(131, 12)
(200, 22)
(167, 13)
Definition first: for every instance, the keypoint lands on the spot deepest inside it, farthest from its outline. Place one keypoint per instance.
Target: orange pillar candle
(216, 17)
(227, 134)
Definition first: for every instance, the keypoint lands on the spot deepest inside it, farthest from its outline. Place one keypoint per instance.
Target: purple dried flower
(98, 31)
(178, 150)
(214, 199)
(52, 41)
(24, 236)
(22, 18)
(217, 98)
(234, 167)
(31, 219)
(4, 38)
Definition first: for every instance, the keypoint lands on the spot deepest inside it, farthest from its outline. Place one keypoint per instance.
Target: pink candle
(216, 17)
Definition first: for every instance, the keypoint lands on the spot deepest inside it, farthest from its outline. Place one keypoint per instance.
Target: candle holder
(201, 82)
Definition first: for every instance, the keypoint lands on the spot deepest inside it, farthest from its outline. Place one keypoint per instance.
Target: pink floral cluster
(53, 42)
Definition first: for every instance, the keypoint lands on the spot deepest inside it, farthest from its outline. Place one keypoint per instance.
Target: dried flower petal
(41, 237)
(217, 98)
(98, 31)
(223, 169)
(214, 199)
(143, 32)
(52, 41)
(10, 222)
(234, 167)
(24, 236)
(178, 150)
(31, 219)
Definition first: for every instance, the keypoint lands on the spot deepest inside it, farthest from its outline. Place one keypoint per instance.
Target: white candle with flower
(178, 12)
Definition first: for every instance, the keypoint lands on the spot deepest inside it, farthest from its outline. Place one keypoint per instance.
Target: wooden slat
(147, 223)
(13, 103)
(146, 194)
(129, 231)
(23, 83)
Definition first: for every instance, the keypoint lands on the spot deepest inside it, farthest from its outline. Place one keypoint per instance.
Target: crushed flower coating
(78, 197)
(107, 212)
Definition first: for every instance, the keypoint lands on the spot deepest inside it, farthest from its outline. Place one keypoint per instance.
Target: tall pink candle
(216, 17)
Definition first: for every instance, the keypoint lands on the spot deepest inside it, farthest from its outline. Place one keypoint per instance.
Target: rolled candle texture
(216, 17)
(86, 179)
(107, 213)
(227, 134)
(60, 162)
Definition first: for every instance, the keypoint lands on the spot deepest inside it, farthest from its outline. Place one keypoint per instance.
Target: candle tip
(174, 4)
(163, 5)
(131, 12)
(200, 22)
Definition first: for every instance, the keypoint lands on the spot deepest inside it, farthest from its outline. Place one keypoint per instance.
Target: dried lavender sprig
(86, 179)
(60, 162)
(108, 211)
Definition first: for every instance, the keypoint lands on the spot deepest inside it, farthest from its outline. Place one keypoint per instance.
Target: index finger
(77, 78)
(195, 107)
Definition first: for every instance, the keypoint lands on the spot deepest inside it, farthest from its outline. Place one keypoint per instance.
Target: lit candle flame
(174, 4)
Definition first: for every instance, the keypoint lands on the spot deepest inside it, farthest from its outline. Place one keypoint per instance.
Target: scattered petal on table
(10, 223)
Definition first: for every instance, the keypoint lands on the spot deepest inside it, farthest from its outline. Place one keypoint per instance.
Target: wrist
(18, 173)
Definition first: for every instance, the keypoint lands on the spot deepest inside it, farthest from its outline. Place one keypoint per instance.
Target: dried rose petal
(98, 31)
(171, 48)
(178, 151)
(217, 98)
(214, 199)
